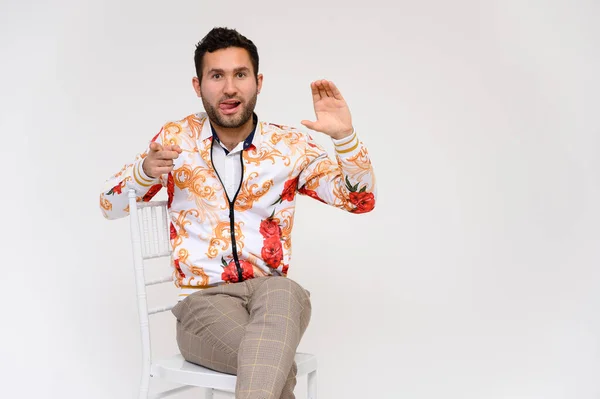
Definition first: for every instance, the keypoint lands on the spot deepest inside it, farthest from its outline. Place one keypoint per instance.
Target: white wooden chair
(150, 240)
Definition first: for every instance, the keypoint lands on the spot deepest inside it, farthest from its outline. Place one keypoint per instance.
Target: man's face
(229, 87)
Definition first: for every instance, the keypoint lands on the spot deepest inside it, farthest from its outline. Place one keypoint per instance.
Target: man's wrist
(140, 175)
(343, 135)
(346, 144)
(143, 167)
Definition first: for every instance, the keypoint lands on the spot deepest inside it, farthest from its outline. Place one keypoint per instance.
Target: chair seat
(178, 370)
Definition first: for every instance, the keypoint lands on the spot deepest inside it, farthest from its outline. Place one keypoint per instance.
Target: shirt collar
(248, 142)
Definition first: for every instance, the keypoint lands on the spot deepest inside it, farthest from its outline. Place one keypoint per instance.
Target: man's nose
(229, 88)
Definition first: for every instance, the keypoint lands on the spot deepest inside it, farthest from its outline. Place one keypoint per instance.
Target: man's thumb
(309, 124)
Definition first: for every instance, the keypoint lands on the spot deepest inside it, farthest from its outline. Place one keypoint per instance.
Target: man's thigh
(210, 326)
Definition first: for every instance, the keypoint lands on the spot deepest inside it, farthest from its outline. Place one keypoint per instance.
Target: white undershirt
(228, 166)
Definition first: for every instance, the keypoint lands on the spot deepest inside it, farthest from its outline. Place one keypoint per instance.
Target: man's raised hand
(333, 114)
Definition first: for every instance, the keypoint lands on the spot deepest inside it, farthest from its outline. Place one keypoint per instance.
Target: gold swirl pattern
(221, 238)
(250, 193)
(195, 126)
(290, 140)
(199, 271)
(105, 204)
(204, 194)
(263, 154)
(358, 166)
(286, 222)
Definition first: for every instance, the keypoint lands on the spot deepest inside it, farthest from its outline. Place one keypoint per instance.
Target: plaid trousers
(251, 329)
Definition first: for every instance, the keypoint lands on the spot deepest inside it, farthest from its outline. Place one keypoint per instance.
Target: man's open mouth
(229, 106)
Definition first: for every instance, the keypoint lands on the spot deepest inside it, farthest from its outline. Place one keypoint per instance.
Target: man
(231, 181)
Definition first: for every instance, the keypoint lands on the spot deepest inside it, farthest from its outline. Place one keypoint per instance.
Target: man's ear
(259, 81)
(196, 85)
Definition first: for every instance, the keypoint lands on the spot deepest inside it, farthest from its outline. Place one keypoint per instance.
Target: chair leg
(144, 386)
(312, 385)
(208, 393)
(227, 394)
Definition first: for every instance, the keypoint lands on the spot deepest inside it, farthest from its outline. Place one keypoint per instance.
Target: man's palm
(333, 114)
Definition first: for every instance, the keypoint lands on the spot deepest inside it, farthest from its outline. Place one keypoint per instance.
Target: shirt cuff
(141, 177)
(346, 145)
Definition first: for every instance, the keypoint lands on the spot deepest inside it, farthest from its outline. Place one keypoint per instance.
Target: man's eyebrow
(238, 69)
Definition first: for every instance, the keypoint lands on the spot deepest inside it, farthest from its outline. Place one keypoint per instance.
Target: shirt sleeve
(348, 184)
(114, 198)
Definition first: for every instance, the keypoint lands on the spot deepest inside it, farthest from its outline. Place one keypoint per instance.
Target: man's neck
(231, 137)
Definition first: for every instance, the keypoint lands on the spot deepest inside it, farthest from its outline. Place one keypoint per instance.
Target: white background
(477, 275)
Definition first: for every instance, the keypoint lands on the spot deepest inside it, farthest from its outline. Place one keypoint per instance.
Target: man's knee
(290, 286)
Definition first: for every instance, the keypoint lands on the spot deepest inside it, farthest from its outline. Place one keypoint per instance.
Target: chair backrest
(149, 223)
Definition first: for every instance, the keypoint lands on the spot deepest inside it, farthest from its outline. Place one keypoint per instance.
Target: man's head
(227, 77)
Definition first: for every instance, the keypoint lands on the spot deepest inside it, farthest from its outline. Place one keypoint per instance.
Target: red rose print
(230, 271)
(178, 268)
(269, 228)
(115, 190)
(289, 190)
(272, 252)
(230, 274)
(284, 270)
(247, 269)
(363, 201)
(152, 192)
(173, 232)
(311, 193)
(170, 190)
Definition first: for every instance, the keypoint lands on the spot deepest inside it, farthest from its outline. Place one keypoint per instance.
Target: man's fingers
(327, 88)
(173, 147)
(155, 147)
(167, 155)
(161, 158)
(335, 91)
(315, 91)
(321, 88)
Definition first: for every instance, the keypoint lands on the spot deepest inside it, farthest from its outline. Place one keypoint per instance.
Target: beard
(231, 121)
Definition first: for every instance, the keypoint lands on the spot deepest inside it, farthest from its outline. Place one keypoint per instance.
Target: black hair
(222, 38)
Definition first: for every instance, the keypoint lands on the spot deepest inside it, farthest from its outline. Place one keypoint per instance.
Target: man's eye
(216, 76)
(241, 74)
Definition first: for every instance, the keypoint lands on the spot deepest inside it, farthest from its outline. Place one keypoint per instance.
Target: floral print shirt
(220, 240)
